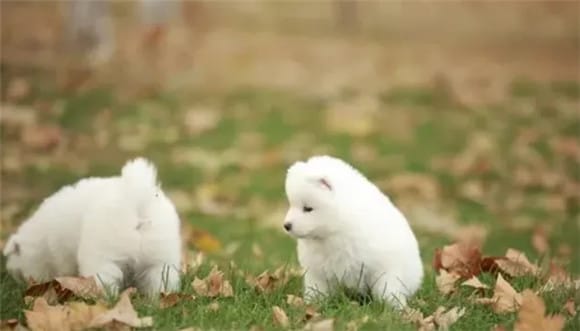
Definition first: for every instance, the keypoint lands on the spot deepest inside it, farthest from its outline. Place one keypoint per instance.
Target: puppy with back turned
(122, 230)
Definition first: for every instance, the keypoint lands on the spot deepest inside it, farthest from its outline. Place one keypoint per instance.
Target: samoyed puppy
(122, 230)
(349, 233)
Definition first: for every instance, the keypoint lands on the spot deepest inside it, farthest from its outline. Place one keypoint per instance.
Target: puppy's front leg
(108, 275)
(391, 290)
(314, 287)
(159, 278)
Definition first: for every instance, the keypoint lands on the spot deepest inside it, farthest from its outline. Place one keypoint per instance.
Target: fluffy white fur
(123, 230)
(353, 236)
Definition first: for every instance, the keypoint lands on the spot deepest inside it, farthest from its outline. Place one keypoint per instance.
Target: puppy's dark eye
(306, 209)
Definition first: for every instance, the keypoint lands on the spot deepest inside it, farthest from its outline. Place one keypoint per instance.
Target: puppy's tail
(139, 177)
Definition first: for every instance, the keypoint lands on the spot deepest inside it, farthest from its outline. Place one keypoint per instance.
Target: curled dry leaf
(280, 317)
(322, 325)
(171, 299)
(199, 120)
(310, 313)
(475, 283)
(295, 301)
(267, 282)
(505, 299)
(201, 239)
(570, 307)
(64, 288)
(11, 325)
(214, 306)
(41, 137)
(540, 240)
(73, 316)
(446, 281)
(439, 320)
(531, 316)
(459, 258)
(213, 285)
(516, 264)
(444, 319)
(122, 313)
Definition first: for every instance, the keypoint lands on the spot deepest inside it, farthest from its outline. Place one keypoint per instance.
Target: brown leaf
(458, 258)
(17, 89)
(73, 316)
(570, 307)
(322, 325)
(516, 264)
(475, 283)
(446, 281)
(295, 301)
(201, 239)
(540, 240)
(280, 317)
(11, 325)
(64, 288)
(213, 285)
(310, 313)
(267, 282)
(444, 320)
(123, 313)
(171, 299)
(199, 120)
(214, 306)
(532, 315)
(41, 137)
(505, 299)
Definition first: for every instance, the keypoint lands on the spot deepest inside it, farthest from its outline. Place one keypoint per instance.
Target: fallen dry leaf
(201, 239)
(73, 316)
(444, 319)
(171, 299)
(41, 137)
(505, 299)
(267, 282)
(213, 285)
(280, 317)
(531, 316)
(446, 281)
(214, 306)
(213, 200)
(475, 283)
(540, 240)
(295, 301)
(17, 89)
(310, 313)
(516, 264)
(459, 258)
(12, 325)
(122, 313)
(64, 288)
(199, 120)
(322, 325)
(439, 320)
(570, 307)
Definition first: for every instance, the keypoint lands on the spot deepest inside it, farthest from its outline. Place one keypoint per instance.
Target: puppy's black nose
(288, 226)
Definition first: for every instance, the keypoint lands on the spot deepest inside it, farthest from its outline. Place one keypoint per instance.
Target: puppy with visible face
(123, 230)
(349, 233)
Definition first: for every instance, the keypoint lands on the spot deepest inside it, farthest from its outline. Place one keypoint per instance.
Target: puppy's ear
(322, 182)
(12, 247)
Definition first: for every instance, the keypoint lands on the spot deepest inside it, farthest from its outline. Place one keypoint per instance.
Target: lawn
(509, 168)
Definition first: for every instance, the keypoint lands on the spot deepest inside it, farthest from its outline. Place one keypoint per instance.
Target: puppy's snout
(288, 226)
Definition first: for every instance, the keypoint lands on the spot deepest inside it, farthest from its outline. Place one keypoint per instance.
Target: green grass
(281, 120)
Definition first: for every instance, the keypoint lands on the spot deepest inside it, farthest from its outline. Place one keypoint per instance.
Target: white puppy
(123, 230)
(349, 233)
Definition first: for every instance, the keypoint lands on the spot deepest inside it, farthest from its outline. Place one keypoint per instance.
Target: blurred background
(465, 112)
